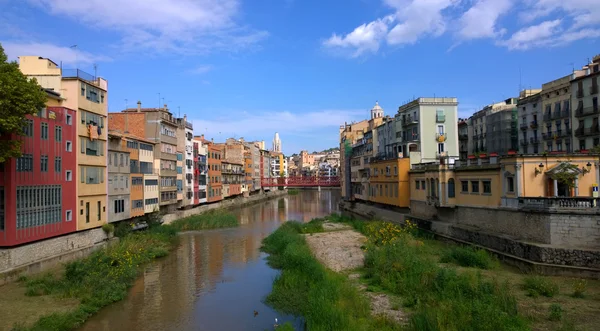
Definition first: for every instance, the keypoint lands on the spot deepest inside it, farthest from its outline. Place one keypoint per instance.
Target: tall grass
(442, 298)
(538, 285)
(326, 300)
(470, 257)
(100, 279)
(293, 191)
(213, 219)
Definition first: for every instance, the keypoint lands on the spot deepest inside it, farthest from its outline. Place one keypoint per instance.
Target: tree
(19, 96)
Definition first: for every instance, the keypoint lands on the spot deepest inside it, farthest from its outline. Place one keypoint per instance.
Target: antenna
(125, 104)
(95, 71)
(179, 111)
(158, 100)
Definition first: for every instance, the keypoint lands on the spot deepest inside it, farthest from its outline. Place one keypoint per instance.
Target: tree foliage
(19, 96)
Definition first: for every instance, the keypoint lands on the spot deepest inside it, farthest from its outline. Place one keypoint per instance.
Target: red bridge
(300, 181)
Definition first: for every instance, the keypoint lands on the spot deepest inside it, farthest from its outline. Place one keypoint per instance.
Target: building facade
(530, 119)
(463, 138)
(557, 133)
(389, 181)
(584, 100)
(200, 171)
(119, 170)
(418, 117)
(38, 191)
(214, 187)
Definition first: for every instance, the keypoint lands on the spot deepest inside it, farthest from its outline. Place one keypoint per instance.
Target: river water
(216, 279)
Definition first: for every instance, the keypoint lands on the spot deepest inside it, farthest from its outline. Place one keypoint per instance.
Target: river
(215, 279)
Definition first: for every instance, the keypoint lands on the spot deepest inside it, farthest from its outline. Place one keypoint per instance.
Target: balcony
(440, 118)
(594, 89)
(534, 140)
(533, 124)
(582, 132)
(559, 204)
(524, 142)
(547, 116)
(409, 120)
(413, 137)
(440, 137)
(580, 93)
(463, 136)
(523, 126)
(586, 111)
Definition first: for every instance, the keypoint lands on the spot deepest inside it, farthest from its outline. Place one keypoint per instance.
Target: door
(87, 212)
(564, 190)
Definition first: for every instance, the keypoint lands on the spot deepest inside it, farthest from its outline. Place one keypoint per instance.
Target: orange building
(389, 182)
(215, 183)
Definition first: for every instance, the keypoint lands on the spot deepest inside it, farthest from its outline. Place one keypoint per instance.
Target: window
(137, 204)
(69, 215)
(99, 211)
(417, 185)
(92, 175)
(38, 205)
(487, 187)
(151, 182)
(120, 160)
(58, 133)
(28, 128)
(440, 129)
(69, 119)
(69, 146)
(137, 181)
(464, 186)
(119, 206)
(89, 147)
(422, 185)
(57, 164)
(440, 148)
(152, 201)
(44, 163)
(451, 193)
(69, 175)
(44, 131)
(582, 144)
(91, 119)
(474, 186)
(395, 170)
(25, 163)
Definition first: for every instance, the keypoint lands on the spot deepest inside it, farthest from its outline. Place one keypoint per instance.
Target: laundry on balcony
(93, 132)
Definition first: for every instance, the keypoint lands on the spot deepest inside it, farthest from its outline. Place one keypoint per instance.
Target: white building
(276, 143)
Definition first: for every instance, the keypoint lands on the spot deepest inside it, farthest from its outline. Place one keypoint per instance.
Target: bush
(555, 312)
(579, 288)
(108, 228)
(536, 286)
(293, 191)
(470, 257)
(123, 229)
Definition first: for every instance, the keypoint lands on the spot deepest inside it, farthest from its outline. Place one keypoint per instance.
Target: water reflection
(214, 280)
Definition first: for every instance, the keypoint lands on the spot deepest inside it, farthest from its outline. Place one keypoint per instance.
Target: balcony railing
(524, 126)
(558, 204)
(232, 172)
(413, 137)
(524, 142)
(594, 130)
(580, 93)
(533, 124)
(76, 73)
(587, 111)
(547, 116)
(463, 136)
(440, 118)
(534, 140)
(408, 120)
(594, 89)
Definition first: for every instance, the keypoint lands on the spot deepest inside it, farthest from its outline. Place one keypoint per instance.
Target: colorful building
(119, 188)
(185, 134)
(38, 192)
(389, 181)
(214, 187)
(233, 178)
(200, 171)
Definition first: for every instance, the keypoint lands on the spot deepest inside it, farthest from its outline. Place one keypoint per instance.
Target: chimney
(184, 118)
(165, 108)
(202, 136)
(139, 108)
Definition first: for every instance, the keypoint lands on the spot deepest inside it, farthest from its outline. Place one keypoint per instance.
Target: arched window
(451, 188)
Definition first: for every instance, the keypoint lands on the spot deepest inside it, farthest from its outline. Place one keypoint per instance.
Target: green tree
(19, 96)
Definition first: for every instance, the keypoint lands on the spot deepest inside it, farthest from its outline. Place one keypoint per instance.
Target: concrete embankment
(527, 256)
(47, 254)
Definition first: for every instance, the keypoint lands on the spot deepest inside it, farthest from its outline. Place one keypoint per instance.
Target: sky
(249, 68)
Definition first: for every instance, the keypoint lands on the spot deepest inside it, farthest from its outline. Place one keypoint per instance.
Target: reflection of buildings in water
(282, 210)
(243, 218)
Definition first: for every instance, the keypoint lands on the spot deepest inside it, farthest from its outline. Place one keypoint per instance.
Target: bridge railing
(301, 181)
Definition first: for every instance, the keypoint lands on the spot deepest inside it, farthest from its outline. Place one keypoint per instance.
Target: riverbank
(67, 296)
(432, 285)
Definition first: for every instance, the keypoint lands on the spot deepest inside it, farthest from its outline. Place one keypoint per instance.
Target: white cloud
(66, 55)
(186, 26)
(364, 39)
(534, 36)
(252, 124)
(202, 69)
(417, 19)
(480, 21)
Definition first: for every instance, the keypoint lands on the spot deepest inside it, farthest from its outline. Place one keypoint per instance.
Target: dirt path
(339, 249)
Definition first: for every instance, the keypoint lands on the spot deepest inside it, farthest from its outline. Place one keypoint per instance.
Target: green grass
(470, 257)
(326, 300)
(539, 286)
(441, 298)
(293, 191)
(555, 312)
(100, 279)
(213, 219)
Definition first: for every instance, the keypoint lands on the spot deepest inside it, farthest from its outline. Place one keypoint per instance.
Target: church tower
(376, 111)
(276, 143)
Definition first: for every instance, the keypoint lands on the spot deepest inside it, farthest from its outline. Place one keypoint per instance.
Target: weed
(579, 288)
(286, 327)
(213, 219)
(470, 257)
(537, 285)
(314, 226)
(293, 191)
(555, 312)
(108, 228)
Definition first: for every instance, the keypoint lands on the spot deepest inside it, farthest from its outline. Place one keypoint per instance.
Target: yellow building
(88, 95)
(511, 182)
(389, 182)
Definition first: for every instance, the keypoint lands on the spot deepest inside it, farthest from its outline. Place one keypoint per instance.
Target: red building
(38, 191)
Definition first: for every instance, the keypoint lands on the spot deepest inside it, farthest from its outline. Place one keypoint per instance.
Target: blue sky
(303, 67)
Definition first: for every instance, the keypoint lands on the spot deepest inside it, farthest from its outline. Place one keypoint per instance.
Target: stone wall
(44, 254)
(578, 230)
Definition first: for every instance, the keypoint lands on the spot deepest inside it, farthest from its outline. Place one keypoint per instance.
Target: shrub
(470, 257)
(213, 219)
(108, 228)
(579, 288)
(123, 229)
(293, 191)
(536, 286)
(555, 312)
